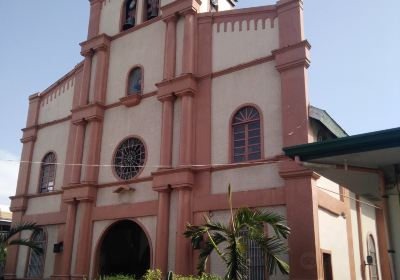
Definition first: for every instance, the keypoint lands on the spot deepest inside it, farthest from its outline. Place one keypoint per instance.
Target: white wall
(51, 138)
(333, 237)
(329, 187)
(246, 178)
(258, 85)
(58, 103)
(145, 47)
(45, 204)
(121, 122)
(110, 17)
(232, 48)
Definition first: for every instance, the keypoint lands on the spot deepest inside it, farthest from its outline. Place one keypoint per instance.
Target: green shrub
(152, 274)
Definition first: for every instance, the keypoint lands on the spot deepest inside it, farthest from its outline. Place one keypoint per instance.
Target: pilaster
(302, 217)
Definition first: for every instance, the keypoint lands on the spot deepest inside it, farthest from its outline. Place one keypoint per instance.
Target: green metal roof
(376, 140)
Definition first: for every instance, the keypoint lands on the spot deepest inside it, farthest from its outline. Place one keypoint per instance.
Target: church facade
(173, 101)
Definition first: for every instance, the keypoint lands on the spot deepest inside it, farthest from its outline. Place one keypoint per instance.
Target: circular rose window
(129, 158)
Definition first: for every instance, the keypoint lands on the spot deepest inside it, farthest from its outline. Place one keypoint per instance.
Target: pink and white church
(174, 100)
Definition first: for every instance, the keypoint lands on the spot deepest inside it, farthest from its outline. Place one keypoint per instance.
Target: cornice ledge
(301, 173)
(180, 6)
(97, 43)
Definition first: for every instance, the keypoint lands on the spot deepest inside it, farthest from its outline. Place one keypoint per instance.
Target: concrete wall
(333, 237)
(231, 48)
(58, 103)
(329, 187)
(52, 138)
(258, 85)
(246, 178)
(110, 17)
(45, 204)
(144, 47)
(131, 121)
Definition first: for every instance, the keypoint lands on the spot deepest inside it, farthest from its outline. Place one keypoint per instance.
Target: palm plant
(211, 236)
(7, 239)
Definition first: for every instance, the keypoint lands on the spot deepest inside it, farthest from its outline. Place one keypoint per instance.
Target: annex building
(173, 101)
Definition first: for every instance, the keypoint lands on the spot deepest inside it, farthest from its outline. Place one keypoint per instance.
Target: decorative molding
(180, 6)
(256, 198)
(174, 178)
(79, 192)
(131, 100)
(97, 43)
(94, 111)
(178, 85)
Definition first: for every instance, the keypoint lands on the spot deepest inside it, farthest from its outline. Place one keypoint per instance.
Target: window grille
(36, 260)
(246, 131)
(255, 258)
(129, 158)
(47, 173)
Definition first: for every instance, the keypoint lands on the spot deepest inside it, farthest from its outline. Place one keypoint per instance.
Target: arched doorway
(124, 250)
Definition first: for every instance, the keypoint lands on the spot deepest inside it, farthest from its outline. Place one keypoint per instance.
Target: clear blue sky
(354, 73)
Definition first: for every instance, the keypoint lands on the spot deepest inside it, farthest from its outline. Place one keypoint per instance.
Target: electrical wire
(271, 161)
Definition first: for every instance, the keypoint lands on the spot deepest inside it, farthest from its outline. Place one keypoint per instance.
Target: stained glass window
(246, 133)
(47, 173)
(135, 81)
(36, 260)
(151, 9)
(129, 158)
(129, 14)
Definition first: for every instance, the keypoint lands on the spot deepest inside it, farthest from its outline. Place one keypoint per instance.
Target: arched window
(47, 173)
(135, 81)
(129, 14)
(373, 267)
(36, 260)
(246, 135)
(151, 9)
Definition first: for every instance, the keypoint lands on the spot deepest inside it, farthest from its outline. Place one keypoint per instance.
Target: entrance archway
(124, 250)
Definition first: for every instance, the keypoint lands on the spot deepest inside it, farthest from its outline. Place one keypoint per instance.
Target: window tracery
(246, 135)
(129, 158)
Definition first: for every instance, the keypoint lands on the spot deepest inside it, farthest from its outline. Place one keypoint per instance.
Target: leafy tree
(229, 243)
(6, 239)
